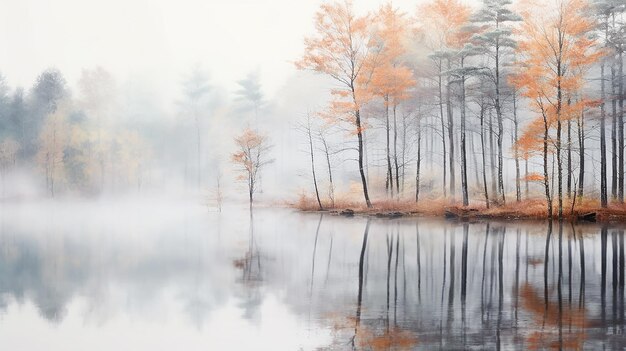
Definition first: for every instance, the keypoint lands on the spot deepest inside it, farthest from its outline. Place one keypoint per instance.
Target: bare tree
(251, 157)
(306, 128)
(341, 50)
(322, 134)
(218, 195)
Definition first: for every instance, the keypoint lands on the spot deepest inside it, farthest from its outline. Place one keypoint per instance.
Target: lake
(160, 276)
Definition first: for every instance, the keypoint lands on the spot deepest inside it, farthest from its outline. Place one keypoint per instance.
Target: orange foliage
(390, 78)
(529, 143)
(251, 157)
(556, 49)
(341, 50)
(249, 143)
(445, 19)
(534, 177)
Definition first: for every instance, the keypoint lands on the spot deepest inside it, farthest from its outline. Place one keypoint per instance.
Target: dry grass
(307, 203)
(528, 209)
(431, 207)
(439, 207)
(537, 209)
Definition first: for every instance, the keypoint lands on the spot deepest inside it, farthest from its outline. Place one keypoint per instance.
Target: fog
(148, 96)
(158, 276)
(259, 174)
(146, 51)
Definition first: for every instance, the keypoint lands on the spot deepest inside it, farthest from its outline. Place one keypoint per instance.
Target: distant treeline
(70, 140)
(104, 137)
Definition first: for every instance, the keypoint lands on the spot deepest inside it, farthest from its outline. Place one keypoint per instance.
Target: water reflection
(509, 296)
(275, 279)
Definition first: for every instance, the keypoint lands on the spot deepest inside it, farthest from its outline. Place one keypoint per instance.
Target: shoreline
(587, 212)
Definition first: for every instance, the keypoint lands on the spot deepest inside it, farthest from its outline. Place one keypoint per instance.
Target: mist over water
(312, 175)
(157, 276)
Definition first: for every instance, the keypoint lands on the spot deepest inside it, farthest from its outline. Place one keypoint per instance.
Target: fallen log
(587, 217)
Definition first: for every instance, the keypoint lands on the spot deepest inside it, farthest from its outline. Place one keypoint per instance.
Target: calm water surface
(132, 276)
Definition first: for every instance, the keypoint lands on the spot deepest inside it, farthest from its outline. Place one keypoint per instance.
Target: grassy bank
(584, 209)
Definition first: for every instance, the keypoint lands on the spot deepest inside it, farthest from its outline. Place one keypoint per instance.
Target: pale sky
(159, 39)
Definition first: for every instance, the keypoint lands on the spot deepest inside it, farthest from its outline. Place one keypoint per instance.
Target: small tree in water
(251, 157)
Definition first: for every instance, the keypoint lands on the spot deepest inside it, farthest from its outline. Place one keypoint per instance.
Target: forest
(502, 103)
(112, 138)
(482, 105)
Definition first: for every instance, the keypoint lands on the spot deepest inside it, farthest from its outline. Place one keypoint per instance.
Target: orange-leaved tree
(250, 158)
(555, 43)
(341, 50)
(391, 79)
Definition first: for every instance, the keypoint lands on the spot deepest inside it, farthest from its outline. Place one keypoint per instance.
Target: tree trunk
(559, 167)
(472, 141)
(443, 130)
(569, 157)
(366, 157)
(518, 190)
(581, 159)
(403, 158)
(559, 145)
(359, 133)
(526, 175)
(419, 162)
(360, 149)
(546, 179)
(317, 193)
(395, 150)
(482, 146)
(603, 194)
(492, 157)
(620, 129)
(500, 122)
(250, 194)
(331, 190)
(389, 181)
(463, 147)
(613, 135)
(450, 136)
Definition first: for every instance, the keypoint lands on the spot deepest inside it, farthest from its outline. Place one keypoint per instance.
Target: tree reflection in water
(397, 284)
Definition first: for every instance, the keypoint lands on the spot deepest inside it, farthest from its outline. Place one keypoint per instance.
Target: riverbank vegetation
(502, 110)
(532, 209)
